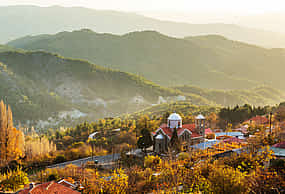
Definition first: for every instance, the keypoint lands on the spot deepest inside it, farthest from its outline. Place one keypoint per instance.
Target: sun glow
(241, 6)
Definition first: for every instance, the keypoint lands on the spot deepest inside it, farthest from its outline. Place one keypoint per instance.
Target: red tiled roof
(280, 145)
(208, 131)
(49, 188)
(195, 135)
(258, 119)
(24, 191)
(190, 127)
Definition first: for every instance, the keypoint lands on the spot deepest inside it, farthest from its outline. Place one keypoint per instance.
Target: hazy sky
(236, 6)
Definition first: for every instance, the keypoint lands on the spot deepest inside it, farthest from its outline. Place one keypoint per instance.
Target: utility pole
(270, 122)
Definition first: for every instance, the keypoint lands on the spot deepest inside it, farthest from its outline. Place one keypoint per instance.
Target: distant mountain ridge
(33, 20)
(210, 61)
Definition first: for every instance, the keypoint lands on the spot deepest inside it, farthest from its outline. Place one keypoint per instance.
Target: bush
(14, 180)
(227, 180)
(152, 161)
(53, 177)
(77, 144)
(59, 159)
(13, 165)
(277, 164)
(183, 156)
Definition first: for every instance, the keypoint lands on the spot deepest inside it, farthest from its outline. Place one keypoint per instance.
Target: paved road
(101, 160)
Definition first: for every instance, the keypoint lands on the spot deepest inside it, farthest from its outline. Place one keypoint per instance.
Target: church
(188, 134)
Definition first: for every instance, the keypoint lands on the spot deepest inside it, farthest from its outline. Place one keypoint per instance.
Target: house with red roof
(280, 145)
(257, 120)
(188, 134)
(47, 188)
(279, 150)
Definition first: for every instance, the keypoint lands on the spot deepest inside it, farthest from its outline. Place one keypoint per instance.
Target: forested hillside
(244, 60)
(39, 85)
(40, 20)
(257, 96)
(207, 61)
(44, 89)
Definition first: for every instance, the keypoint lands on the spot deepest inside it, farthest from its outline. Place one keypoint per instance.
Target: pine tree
(174, 141)
(145, 141)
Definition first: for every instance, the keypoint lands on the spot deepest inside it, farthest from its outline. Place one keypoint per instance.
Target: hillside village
(108, 102)
(118, 150)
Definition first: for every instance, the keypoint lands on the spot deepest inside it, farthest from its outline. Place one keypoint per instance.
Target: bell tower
(200, 122)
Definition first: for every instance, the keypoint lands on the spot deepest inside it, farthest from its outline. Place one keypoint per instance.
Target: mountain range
(210, 61)
(48, 90)
(33, 20)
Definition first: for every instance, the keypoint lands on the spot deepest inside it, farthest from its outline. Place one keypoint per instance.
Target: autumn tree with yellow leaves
(11, 140)
(38, 147)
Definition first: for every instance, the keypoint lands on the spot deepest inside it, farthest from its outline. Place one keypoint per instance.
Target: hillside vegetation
(4, 48)
(39, 20)
(258, 96)
(206, 61)
(48, 90)
(185, 107)
(39, 85)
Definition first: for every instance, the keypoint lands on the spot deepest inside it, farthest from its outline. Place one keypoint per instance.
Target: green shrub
(59, 159)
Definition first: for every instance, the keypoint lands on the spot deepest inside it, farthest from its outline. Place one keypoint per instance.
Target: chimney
(31, 185)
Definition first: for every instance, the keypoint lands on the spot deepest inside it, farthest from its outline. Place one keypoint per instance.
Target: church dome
(174, 117)
(174, 121)
(200, 117)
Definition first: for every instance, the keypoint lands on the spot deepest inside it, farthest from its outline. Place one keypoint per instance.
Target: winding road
(102, 160)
